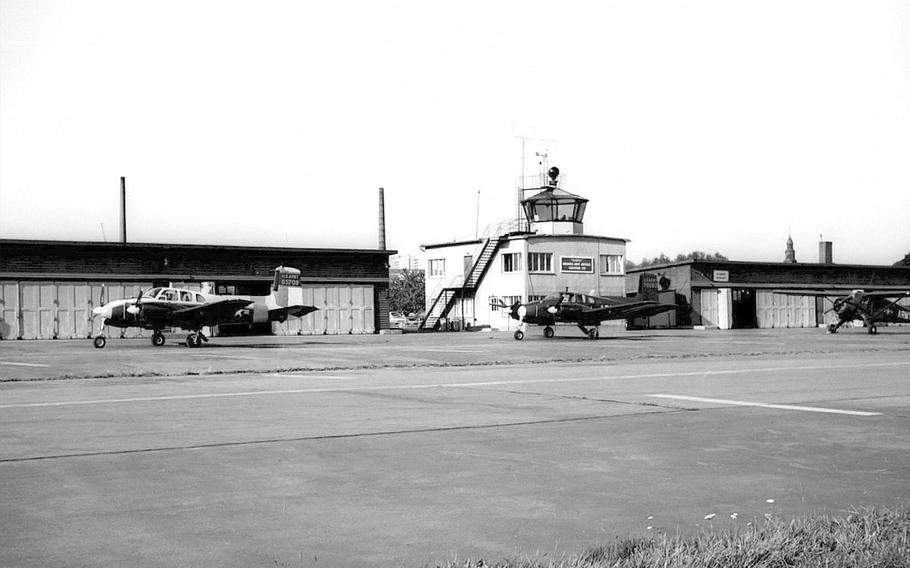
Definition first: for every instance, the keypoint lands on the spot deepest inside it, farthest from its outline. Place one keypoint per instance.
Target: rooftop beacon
(554, 211)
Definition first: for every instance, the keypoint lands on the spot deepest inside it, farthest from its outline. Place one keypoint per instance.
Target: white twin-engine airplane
(161, 307)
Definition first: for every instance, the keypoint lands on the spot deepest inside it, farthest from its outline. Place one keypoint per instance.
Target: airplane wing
(624, 311)
(281, 314)
(214, 313)
(832, 293)
(883, 294)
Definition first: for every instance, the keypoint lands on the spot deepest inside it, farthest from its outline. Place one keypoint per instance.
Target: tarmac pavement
(415, 449)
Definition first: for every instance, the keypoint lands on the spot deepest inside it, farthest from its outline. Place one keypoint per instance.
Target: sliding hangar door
(743, 308)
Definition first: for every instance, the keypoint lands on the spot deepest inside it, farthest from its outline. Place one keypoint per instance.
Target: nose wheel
(548, 332)
(100, 342)
(157, 338)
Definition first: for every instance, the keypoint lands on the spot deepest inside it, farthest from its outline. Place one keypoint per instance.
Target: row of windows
(171, 295)
(542, 262)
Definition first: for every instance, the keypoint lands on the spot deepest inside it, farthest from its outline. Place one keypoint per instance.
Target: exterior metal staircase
(447, 296)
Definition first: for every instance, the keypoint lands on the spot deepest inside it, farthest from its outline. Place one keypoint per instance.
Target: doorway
(744, 309)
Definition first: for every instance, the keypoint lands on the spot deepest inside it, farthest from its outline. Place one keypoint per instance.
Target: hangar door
(9, 310)
(784, 310)
(59, 310)
(343, 309)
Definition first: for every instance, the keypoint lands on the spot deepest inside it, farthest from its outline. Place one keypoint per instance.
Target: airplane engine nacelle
(260, 312)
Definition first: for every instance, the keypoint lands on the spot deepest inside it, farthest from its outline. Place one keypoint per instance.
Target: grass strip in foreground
(875, 537)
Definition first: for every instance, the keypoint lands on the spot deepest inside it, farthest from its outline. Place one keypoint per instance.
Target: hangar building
(48, 288)
(524, 260)
(736, 294)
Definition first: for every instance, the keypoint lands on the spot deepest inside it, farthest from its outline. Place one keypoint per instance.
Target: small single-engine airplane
(164, 307)
(585, 310)
(870, 306)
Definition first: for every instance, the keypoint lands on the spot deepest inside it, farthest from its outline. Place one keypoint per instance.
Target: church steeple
(790, 254)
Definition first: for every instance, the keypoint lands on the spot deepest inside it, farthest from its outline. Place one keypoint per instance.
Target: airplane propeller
(136, 308)
(554, 309)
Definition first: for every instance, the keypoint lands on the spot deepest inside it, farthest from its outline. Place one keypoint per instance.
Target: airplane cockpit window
(186, 296)
(153, 293)
(200, 299)
(168, 295)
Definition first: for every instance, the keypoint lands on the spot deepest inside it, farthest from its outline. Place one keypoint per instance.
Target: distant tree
(406, 292)
(664, 259)
(904, 262)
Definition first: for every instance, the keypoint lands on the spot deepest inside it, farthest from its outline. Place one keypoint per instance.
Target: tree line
(664, 259)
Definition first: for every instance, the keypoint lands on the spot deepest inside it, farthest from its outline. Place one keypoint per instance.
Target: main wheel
(157, 339)
(100, 342)
(191, 340)
(548, 332)
(873, 330)
(594, 333)
(519, 335)
(832, 328)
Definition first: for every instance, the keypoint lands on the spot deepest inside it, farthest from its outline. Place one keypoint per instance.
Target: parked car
(397, 319)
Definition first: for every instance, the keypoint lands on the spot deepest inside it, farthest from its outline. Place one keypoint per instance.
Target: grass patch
(875, 537)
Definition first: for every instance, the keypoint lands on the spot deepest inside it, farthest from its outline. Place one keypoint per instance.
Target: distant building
(406, 262)
(790, 254)
(547, 251)
(736, 294)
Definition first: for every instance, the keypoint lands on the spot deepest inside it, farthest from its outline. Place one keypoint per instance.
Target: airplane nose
(102, 311)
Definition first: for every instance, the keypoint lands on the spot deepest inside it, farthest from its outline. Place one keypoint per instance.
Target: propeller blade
(554, 309)
(136, 307)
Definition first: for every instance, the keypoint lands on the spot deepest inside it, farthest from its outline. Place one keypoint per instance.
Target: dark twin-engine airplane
(585, 310)
(167, 307)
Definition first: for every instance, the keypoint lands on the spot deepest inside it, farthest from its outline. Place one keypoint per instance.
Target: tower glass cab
(555, 211)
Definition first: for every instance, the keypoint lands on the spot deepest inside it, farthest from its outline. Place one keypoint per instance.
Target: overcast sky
(699, 125)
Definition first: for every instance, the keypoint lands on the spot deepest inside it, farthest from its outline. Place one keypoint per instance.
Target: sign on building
(721, 275)
(577, 264)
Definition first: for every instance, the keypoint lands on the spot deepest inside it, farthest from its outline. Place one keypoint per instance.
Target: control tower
(554, 211)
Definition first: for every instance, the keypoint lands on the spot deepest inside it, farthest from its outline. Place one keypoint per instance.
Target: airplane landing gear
(872, 329)
(548, 332)
(196, 339)
(100, 342)
(592, 333)
(157, 338)
(519, 335)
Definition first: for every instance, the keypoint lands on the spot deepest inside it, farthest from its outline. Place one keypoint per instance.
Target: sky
(718, 126)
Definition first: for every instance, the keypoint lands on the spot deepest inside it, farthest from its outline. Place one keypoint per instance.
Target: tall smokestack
(381, 219)
(825, 252)
(122, 209)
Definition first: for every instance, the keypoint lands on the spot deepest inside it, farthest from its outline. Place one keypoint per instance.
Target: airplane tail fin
(288, 295)
(647, 287)
(286, 287)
